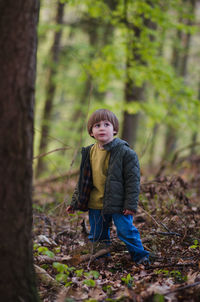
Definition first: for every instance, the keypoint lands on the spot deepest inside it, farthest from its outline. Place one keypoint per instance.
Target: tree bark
(195, 133)
(50, 90)
(179, 62)
(92, 27)
(18, 45)
(132, 92)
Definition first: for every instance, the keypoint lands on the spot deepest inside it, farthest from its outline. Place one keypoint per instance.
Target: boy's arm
(131, 182)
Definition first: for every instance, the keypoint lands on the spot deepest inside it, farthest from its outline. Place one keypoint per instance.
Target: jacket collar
(115, 142)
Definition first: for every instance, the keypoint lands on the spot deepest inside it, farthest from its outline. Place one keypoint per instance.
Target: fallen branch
(76, 259)
(173, 265)
(46, 279)
(90, 257)
(182, 288)
(166, 234)
(48, 260)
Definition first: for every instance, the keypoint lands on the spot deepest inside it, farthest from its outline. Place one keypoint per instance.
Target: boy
(109, 184)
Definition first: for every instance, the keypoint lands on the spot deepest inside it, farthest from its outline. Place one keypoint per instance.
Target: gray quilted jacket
(122, 183)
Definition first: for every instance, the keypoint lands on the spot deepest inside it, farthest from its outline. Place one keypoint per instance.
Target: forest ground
(168, 219)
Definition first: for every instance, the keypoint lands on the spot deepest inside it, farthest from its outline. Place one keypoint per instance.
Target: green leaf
(95, 274)
(60, 267)
(89, 282)
(158, 298)
(193, 246)
(42, 249)
(49, 254)
(35, 246)
(61, 277)
(79, 273)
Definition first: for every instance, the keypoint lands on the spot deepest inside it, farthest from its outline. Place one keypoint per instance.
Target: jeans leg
(99, 227)
(129, 234)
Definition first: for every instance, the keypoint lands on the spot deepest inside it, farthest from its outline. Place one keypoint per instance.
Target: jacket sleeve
(131, 180)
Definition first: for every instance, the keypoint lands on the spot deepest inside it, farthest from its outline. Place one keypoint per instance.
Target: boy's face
(103, 132)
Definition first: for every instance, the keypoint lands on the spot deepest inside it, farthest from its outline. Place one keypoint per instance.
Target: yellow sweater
(99, 159)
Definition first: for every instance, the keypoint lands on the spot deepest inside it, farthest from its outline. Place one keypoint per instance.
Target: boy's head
(103, 115)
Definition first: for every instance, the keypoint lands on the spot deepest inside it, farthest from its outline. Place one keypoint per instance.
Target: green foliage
(158, 298)
(43, 250)
(128, 280)
(89, 282)
(108, 289)
(92, 273)
(65, 273)
(91, 70)
(195, 245)
(176, 275)
(79, 273)
(61, 268)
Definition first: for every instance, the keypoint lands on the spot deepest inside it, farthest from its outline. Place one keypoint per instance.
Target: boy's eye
(97, 125)
(107, 124)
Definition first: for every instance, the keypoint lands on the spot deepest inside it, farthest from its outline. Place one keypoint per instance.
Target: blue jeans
(126, 231)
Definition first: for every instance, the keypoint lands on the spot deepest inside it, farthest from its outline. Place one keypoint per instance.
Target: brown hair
(103, 115)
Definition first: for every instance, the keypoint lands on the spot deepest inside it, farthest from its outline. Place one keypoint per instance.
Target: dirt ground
(168, 219)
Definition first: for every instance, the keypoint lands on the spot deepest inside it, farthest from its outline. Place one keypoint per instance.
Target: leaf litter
(168, 219)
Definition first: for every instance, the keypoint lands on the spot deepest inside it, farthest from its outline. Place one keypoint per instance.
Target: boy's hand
(128, 212)
(70, 210)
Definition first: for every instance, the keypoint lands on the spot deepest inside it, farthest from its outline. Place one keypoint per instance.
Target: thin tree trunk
(179, 61)
(131, 91)
(50, 90)
(17, 81)
(130, 121)
(152, 146)
(92, 28)
(195, 133)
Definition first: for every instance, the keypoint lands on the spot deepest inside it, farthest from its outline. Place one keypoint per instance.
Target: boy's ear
(114, 132)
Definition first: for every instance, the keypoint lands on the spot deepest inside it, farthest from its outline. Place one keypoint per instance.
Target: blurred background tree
(136, 58)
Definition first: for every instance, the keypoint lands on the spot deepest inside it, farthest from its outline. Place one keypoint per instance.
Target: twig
(96, 255)
(166, 233)
(55, 178)
(149, 215)
(173, 265)
(164, 226)
(160, 223)
(182, 288)
(183, 149)
(55, 150)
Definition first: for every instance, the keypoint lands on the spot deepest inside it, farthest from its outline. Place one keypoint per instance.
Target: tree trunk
(92, 28)
(131, 91)
(17, 80)
(195, 133)
(50, 90)
(179, 62)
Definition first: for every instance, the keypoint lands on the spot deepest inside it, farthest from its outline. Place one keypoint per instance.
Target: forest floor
(168, 219)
